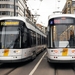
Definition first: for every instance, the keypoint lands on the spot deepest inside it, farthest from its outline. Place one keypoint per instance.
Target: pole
(24, 12)
(14, 8)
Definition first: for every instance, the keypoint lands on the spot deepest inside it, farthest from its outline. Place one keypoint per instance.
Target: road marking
(31, 73)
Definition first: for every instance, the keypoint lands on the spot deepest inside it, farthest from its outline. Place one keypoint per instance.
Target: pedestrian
(71, 41)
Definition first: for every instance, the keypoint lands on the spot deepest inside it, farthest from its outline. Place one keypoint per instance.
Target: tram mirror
(48, 28)
(0, 45)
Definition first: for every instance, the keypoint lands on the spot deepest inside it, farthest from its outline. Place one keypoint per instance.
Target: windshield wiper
(11, 44)
(67, 45)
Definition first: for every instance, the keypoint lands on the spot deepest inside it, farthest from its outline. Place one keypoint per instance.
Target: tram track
(73, 68)
(55, 71)
(10, 71)
(64, 70)
(6, 69)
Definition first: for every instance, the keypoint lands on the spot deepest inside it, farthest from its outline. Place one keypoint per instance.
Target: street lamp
(14, 9)
(58, 4)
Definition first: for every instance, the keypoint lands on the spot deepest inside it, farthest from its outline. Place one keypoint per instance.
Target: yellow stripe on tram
(65, 52)
(6, 52)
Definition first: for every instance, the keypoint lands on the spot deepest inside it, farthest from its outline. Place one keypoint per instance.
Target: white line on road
(31, 73)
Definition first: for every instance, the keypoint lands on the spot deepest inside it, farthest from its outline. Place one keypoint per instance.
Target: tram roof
(61, 15)
(29, 24)
(14, 17)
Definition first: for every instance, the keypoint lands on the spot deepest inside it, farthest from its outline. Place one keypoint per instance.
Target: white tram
(61, 38)
(20, 39)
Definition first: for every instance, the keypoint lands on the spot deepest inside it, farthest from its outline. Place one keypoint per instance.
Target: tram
(20, 39)
(61, 38)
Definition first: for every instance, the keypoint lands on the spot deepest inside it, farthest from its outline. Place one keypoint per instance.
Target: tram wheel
(48, 60)
(33, 56)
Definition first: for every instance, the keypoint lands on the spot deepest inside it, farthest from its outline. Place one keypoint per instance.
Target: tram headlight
(73, 51)
(55, 51)
(17, 51)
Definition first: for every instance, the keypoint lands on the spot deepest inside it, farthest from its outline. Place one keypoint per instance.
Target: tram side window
(33, 38)
(42, 40)
(28, 39)
(38, 39)
(45, 40)
(0, 38)
(24, 39)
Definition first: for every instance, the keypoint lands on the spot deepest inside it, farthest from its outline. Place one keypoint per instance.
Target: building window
(69, 4)
(4, 13)
(2, 6)
(69, 11)
(16, 14)
(7, 6)
(10, 0)
(11, 13)
(74, 11)
(73, 4)
(6, 0)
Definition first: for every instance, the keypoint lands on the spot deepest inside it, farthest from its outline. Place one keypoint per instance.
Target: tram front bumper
(13, 60)
(61, 59)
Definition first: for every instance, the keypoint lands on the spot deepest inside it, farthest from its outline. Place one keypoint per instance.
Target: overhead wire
(37, 8)
(29, 5)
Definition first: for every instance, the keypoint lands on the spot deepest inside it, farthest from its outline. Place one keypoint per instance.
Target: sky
(44, 8)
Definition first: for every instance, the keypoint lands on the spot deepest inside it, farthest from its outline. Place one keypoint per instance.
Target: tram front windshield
(9, 34)
(62, 32)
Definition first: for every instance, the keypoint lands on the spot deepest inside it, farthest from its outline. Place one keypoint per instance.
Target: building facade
(42, 28)
(69, 7)
(7, 8)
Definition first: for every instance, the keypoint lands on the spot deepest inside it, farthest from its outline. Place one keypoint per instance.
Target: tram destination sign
(9, 23)
(61, 21)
